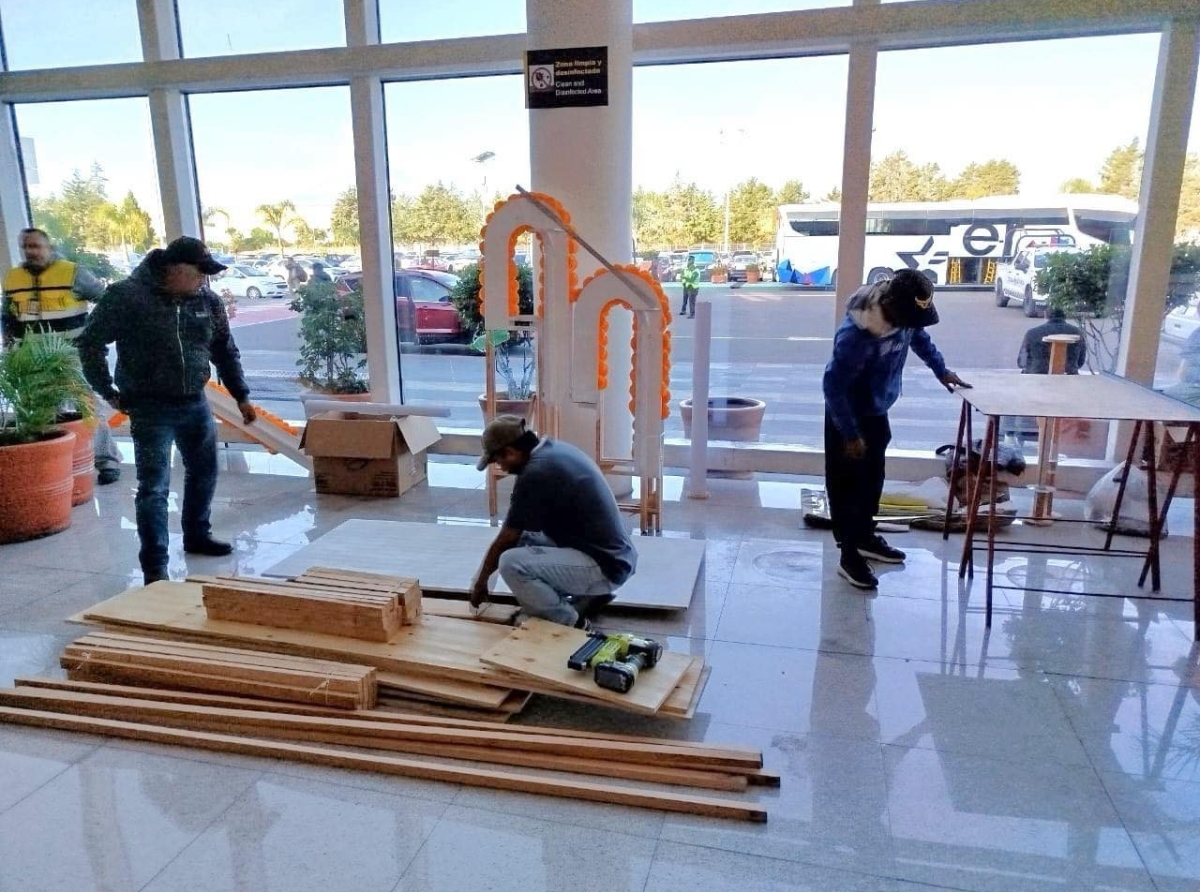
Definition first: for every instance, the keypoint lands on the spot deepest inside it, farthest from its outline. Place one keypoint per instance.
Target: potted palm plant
(333, 340)
(38, 378)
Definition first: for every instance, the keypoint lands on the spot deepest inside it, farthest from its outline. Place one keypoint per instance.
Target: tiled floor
(1060, 751)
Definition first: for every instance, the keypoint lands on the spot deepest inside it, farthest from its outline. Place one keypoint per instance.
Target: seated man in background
(1034, 355)
(563, 549)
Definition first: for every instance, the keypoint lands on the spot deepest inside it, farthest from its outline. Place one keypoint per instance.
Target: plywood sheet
(445, 558)
(1096, 397)
(539, 651)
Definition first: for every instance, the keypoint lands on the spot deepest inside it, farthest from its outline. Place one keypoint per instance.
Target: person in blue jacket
(862, 381)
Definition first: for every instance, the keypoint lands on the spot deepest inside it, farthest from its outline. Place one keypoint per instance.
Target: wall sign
(566, 78)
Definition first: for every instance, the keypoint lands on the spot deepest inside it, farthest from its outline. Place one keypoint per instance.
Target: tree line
(82, 215)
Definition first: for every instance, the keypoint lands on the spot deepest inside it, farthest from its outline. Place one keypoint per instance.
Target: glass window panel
(97, 195)
(688, 156)
(56, 33)
(267, 195)
(405, 20)
(444, 180)
(670, 10)
(234, 27)
(988, 177)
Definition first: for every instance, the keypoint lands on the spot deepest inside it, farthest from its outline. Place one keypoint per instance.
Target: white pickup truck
(1017, 279)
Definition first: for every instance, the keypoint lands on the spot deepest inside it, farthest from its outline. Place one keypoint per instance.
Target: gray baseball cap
(501, 431)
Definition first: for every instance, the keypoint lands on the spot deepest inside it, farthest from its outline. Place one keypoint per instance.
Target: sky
(1054, 108)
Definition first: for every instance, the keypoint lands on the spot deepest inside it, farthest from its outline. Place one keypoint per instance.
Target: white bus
(952, 242)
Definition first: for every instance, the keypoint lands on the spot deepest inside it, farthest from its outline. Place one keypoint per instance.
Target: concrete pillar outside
(583, 158)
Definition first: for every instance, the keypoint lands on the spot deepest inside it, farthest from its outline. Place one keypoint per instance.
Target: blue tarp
(817, 277)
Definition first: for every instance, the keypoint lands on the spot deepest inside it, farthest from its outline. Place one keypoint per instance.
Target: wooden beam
(424, 770)
(663, 753)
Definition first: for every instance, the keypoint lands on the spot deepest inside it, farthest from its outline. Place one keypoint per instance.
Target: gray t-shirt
(562, 494)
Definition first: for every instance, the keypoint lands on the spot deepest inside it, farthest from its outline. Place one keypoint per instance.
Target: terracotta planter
(729, 418)
(526, 409)
(719, 278)
(83, 460)
(35, 488)
(753, 275)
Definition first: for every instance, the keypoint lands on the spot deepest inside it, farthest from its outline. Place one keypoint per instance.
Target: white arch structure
(572, 323)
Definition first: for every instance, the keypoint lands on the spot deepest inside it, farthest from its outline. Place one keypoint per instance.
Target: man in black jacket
(168, 327)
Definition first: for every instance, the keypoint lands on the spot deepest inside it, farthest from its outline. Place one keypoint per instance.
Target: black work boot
(208, 546)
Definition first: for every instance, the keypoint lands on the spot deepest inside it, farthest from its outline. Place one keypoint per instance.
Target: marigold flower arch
(573, 321)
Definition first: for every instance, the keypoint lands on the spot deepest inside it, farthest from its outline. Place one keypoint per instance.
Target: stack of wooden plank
(330, 606)
(649, 772)
(137, 660)
(453, 666)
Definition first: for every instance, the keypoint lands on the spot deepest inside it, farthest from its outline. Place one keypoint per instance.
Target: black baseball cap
(909, 298)
(186, 249)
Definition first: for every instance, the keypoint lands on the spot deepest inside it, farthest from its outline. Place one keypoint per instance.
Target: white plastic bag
(1135, 507)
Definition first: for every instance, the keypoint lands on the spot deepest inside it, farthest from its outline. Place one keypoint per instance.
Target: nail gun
(616, 659)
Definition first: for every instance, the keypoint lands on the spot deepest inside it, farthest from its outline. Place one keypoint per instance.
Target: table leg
(966, 568)
(1152, 498)
(991, 439)
(1112, 524)
(1176, 473)
(954, 472)
(1195, 530)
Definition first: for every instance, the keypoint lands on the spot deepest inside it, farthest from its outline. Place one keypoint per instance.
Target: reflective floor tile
(1163, 817)
(830, 808)
(792, 690)
(1001, 713)
(30, 757)
(678, 866)
(116, 818)
(290, 835)
(986, 824)
(472, 850)
(1148, 731)
(829, 619)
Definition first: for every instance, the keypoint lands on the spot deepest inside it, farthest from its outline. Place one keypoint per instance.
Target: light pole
(724, 136)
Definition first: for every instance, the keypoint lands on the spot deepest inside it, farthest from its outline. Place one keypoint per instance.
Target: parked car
(458, 262)
(1017, 279)
(705, 261)
(245, 281)
(739, 264)
(1181, 322)
(425, 314)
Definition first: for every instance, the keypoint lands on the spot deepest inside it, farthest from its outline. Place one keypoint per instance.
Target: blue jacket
(863, 377)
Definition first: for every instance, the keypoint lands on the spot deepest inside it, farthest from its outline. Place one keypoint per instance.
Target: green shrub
(39, 377)
(334, 338)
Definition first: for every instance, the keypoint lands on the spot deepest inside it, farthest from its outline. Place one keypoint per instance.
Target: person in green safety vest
(690, 279)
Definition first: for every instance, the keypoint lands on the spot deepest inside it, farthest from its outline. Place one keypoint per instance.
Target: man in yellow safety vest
(47, 293)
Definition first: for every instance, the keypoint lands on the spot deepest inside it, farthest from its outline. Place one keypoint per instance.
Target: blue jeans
(154, 429)
(542, 575)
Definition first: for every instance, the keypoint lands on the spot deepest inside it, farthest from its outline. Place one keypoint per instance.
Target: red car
(425, 314)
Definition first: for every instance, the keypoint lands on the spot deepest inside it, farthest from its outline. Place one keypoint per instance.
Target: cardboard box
(363, 455)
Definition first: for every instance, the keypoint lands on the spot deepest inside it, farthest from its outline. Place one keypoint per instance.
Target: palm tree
(277, 216)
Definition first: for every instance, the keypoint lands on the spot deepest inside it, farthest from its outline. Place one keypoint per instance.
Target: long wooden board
(539, 651)
(427, 770)
(445, 557)
(608, 750)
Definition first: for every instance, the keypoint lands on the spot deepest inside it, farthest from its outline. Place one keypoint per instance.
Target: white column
(374, 209)
(583, 157)
(170, 125)
(14, 212)
(1162, 179)
(856, 171)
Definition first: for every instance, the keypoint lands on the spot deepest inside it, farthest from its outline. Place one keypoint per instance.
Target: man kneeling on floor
(563, 549)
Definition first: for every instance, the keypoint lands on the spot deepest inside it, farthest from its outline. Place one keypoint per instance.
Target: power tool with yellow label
(616, 659)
